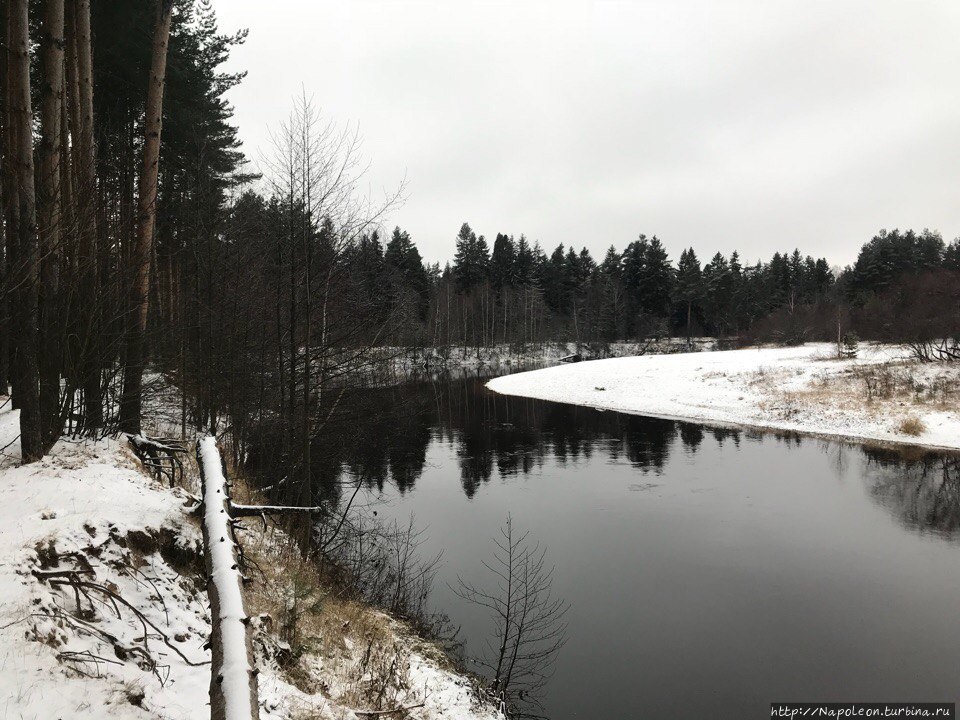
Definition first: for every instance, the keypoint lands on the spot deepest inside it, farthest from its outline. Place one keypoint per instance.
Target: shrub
(912, 426)
(849, 346)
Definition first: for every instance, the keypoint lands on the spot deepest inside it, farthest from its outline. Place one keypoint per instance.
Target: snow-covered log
(233, 679)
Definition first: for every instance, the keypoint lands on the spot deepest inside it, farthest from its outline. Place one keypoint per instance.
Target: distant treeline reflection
(381, 436)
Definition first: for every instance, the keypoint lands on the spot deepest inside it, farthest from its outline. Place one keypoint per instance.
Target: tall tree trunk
(11, 218)
(27, 261)
(131, 400)
(50, 228)
(5, 203)
(80, 77)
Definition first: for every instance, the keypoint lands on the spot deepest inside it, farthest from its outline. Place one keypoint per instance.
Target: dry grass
(363, 653)
(880, 386)
(330, 643)
(912, 426)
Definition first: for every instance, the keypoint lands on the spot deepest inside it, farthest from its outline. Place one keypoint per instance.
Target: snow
(90, 500)
(83, 499)
(801, 389)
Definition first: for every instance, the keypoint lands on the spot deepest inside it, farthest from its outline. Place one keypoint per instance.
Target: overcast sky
(754, 125)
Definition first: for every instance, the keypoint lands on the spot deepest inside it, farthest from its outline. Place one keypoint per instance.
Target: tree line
(116, 148)
(515, 292)
(138, 247)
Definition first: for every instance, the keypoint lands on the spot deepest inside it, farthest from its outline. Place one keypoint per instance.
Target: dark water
(709, 572)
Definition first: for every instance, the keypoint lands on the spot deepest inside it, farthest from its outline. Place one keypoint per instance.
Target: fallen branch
(144, 620)
(372, 713)
(239, 511)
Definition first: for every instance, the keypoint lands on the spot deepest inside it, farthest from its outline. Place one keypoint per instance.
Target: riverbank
(409, 360)
(882, 395)
(87, 513)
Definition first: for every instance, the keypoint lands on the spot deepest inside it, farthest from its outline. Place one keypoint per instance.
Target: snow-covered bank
(413, 359)
(103, 610)
(880, 396)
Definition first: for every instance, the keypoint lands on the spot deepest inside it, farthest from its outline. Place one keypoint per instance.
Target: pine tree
(502, 263)
(406, 272)
(657, 280)
(131, 401)
(524, 265)
(23, 249)
(472, 259)
(689, 286)
(951, 255)
(718, 289)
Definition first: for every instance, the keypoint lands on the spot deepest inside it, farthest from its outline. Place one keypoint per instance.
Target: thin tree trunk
(27, 262)
(131, 400)
(50, 228)
(80, 82)
(6, 201)
(11, 220)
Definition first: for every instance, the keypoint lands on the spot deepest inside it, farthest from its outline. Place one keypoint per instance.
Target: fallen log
(233, 676)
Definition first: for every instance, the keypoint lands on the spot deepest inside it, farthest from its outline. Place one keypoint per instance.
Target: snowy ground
(89, 508)
(880, 396)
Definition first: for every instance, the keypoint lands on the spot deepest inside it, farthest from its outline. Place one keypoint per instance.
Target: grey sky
(719, 124)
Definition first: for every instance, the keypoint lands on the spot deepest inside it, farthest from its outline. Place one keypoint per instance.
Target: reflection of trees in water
(491, 433)
(923, 494)
(382, 435)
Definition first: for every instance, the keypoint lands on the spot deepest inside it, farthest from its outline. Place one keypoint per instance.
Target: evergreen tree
(524, 264)
(951, 255)
(503, 262)
(718, 289)
(553, 281)
(689, 287)
(406, 271)
(472, 259)
(657, 280)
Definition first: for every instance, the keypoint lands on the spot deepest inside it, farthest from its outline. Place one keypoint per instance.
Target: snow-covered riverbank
(880, 396)
(128, 643)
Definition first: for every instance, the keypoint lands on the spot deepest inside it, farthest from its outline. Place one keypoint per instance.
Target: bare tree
(315, 172)
(530, 626)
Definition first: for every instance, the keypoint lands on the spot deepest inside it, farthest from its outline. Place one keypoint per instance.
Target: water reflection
(923, 494)
(706, 567)
(383, 435)
(503, 436)
(387, 440)
(702, 564)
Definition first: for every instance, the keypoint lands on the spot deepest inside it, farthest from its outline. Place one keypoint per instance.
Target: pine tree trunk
(50, 228)
(80, 82)
(27, 258)
(5, 203)
(11, 221)
(131, 400)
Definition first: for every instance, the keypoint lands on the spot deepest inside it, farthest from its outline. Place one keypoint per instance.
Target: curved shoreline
(799, 390)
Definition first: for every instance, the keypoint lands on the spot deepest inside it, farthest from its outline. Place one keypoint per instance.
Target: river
(709, 572)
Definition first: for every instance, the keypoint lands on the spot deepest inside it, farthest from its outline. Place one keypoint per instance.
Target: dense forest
(141, 252)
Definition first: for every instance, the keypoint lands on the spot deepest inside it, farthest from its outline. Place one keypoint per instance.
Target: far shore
(882, 396)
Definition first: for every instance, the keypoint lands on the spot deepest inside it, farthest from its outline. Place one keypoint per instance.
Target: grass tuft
(912, 426)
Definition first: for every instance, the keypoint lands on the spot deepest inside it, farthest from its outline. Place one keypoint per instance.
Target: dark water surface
(709, 572)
